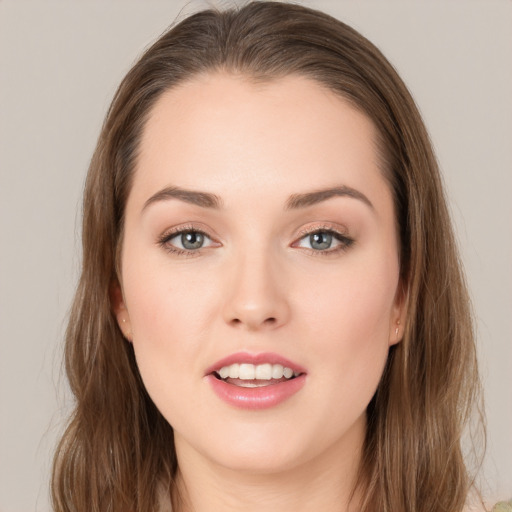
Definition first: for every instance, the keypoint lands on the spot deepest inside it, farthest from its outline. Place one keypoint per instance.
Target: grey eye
(191, 240)
(320, 240)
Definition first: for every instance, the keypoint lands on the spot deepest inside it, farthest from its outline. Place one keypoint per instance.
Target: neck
(325, 483)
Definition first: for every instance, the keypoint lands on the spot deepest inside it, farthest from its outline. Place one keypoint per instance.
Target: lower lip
(262, 397)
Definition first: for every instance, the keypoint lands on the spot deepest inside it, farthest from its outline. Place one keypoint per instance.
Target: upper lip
(260, 358)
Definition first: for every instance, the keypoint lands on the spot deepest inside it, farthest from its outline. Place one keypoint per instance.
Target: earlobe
(399, 316)
(396, 335)
(120, 311)
(397, 328)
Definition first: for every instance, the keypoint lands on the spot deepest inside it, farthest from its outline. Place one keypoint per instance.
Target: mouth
(255, 381)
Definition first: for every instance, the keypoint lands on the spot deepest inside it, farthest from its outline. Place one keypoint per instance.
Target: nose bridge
(256, 297)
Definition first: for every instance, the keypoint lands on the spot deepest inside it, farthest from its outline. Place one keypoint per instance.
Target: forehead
(221, 129)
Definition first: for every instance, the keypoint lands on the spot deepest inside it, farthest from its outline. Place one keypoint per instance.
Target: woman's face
(260, 236)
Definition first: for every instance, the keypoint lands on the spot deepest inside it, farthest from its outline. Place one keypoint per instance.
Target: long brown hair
(118, 449)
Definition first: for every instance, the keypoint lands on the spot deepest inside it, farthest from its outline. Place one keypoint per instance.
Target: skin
(258, 285)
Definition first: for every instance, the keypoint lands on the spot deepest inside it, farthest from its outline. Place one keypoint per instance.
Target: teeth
(234, 371)
(265, 371)
(277, 371)
(224, 372)
(288, 373)
(247, 372)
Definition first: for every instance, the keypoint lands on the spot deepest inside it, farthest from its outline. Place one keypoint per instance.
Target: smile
(255, 381)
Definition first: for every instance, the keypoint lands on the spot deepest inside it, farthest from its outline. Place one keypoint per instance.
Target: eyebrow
(311, 198)
(202, 199)
(295, 201)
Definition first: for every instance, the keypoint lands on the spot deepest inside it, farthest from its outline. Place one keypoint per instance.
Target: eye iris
(320, 240)
(192, 240)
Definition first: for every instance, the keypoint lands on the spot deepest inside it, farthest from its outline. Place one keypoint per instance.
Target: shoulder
(503, 506)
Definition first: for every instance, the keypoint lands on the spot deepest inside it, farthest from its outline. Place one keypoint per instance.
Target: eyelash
(344, 240)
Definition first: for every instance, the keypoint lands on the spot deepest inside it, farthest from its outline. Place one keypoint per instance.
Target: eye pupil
(320, 240)
(192, 240)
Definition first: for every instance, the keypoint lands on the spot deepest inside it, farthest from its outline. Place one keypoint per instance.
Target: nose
(256, 295)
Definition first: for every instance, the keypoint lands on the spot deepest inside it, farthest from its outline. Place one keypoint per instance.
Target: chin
(263, 448)
(262, 460)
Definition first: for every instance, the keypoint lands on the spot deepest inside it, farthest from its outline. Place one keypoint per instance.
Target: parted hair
(117, 453)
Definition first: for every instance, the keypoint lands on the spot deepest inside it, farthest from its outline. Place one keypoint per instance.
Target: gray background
(59, 65)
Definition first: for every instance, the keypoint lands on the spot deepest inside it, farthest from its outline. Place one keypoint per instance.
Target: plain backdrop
(60, 63)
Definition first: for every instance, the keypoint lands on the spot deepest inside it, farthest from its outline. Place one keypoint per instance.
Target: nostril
(254, 321)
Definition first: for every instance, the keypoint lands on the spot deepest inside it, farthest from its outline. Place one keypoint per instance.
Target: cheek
(167, 341)
(349, 316)
(351, 330)
(164, 302)
(168, 312)
(355, 298)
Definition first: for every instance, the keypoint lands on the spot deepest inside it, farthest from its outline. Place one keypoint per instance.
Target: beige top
(503, 506)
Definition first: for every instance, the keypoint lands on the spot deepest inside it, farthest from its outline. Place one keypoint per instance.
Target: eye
(190, 240)
(185, 241)
(320, 240)
(324, 241)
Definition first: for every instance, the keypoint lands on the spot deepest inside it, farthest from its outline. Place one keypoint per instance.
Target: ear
(398, 317)
(120, 311)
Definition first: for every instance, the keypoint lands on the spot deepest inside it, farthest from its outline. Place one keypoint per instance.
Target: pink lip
(255, 398)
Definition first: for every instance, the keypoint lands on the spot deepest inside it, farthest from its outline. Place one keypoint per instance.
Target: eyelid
(325, 226)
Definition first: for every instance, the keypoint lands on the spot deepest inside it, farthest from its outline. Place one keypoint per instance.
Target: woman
(271, 313)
